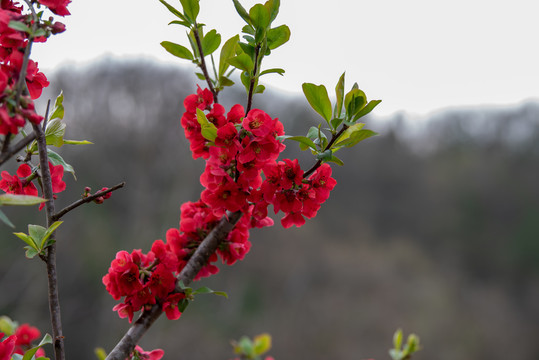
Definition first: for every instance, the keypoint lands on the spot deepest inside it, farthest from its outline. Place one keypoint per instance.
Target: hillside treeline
(434, 230)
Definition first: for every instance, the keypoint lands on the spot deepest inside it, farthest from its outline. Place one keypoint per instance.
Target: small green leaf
(227, 51)
(209, 130)
(211, 42)
(182, 305)
(179, 22)
(77, 142)
(27, 239)
(242, 12)
(259, 89)
(367, 109)
(317, 96)
(273, 8)
(339, 91)
(248, 29)
(174, 11)
(242, 62)
(224, 81)
(54, 134)
(7, 326)
(335, 160)
(221, 293)
(301, 139)
(278, 36)
(200, 76)
(30, 252)
(19, 26)
(56, 159)
(325, 156)
(29, 354)
(262, 344)
(260, 16)
(397, 339)
(58, 111)
(191, 9)
(354, 101)
(100, 353)
(5, 220)
(273, 71)
(177, 50)
(15, 199)
(48, 233)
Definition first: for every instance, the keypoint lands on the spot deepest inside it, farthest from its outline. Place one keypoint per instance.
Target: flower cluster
(19, 342)
(99, 199)
(144, 280)
(15, 107)
(241, 174)
(22, 184)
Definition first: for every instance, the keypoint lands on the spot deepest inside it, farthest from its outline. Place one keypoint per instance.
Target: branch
(203, 64)
(12, 150)
(85, 200)
(50, 258)
(252, 85)
(208, 246)
(328, 146)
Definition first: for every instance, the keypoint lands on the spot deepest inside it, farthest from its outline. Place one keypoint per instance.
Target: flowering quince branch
(104, 193)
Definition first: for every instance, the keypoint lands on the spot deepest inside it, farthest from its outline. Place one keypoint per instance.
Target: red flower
(35, 80)
(7, 346)
(170, 306)
(26, 334)
(258, 123)
(322, 182)
(57, 172)
(152, 355)
(17, 184)
(202, 100)
(59, 7)
(292, 218)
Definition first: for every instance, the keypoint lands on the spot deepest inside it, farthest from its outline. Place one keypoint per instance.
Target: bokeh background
(433, 228)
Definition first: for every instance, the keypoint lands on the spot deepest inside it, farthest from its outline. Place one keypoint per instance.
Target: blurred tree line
(434, 230)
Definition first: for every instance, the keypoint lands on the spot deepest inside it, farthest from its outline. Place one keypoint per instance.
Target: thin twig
(85, 200)
(11, 151)
(252, 84)
(328, 146)
(208, 246)
(50, 258)
(203, 63)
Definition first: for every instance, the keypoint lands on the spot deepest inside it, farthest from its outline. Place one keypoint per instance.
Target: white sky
(417, 55)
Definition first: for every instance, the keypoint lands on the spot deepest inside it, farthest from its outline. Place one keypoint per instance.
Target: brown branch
(50, 258)
(203, 64)
(85, 200)
(208, 246)
(252, 84)
(328, 146)
(12, 150)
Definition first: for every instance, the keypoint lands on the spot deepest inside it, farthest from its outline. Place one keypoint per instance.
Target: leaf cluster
(38, 239)
(341, 120)
(190, 294)
(400, 352)
(252, 349)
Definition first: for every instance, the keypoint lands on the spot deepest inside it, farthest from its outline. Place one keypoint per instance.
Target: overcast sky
(418, 56)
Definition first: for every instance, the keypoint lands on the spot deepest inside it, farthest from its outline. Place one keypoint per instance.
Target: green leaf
(211, 42)
(259, 89)
(200, 76)
(278, 36)
(248, 29)
(19, 26)
(221, 293)
(175, 11)
(182, 23)
(77, 142)
(191, 9)
(260, 16)
(397, 339)
(209, 130)
(242, 62)
(48, 233)
(7, 326)
(177, 50)
(47, 339)
(245, 80)
(325, 156)
(100, 353)
(273, 8)
(224, 81)
(354, 101)
(317, 96)
(367, 109)
(339, 92)
(36, 232)
(301, 139)
(354, 137)
(58, 111)
(30, 252)
(182, 305)
(248, 48)
(335, 160)
(242, 12)
(15, 199)
(5, 220)
(56, 159)
(27, 239)
(54, 134)
(262, 344)
(227, 51)
(273, 71)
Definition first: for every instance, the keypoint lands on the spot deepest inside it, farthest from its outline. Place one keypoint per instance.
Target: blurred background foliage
(433, 228)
